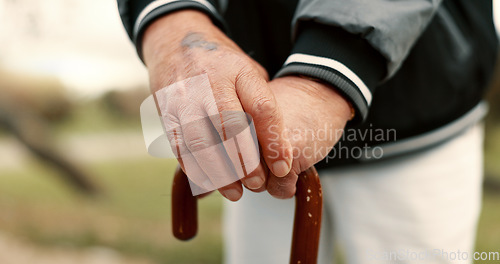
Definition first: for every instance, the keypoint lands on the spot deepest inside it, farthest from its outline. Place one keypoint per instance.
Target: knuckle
(234, 122)
(263, 106)
(176, 143)
(181, 109)
(220, 86)
(226, 103)
(283, 188)
(173, 136)
(229, 123)
(248, 76)
(196, 143)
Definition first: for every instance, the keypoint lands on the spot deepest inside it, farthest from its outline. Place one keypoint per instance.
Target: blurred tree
(125, 104)
(27, 106)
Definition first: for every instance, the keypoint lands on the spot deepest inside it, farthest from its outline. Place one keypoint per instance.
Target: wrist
(164, 35)
(336, 102)
(328, 86)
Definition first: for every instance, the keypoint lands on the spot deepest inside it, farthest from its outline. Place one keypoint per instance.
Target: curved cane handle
(184, 208)
(307, 223)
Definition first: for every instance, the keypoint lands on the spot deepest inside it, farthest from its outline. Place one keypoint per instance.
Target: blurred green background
(76, 183)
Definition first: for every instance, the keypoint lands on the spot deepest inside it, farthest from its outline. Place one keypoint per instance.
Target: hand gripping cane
(307, 223)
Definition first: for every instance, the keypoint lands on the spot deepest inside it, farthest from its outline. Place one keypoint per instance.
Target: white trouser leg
(258, 229)
(425, 203)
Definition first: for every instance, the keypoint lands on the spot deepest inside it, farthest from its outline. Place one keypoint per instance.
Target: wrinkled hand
(186, 44)
(315, 116)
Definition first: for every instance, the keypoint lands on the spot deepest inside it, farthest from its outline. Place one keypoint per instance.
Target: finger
(256, 179)
(262, 172)
(202, 138)
(199, 147)
(232, 192)
(258, 100)
(204, 144)
(282, 187)
(199, 181)
(240, 141)
(236, 129)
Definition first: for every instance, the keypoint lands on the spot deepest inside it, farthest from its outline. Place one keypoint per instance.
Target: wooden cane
(184, 208)
(307, 223)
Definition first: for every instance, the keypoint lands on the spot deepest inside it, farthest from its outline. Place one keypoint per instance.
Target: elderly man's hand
(186, 44)
(315, 116)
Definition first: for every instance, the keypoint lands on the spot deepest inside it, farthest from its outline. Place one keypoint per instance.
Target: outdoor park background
(70, 79)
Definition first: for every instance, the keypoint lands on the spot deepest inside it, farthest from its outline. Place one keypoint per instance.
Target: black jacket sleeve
(136, 15)
(354, 44)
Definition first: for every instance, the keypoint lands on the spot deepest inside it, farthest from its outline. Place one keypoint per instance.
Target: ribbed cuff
(159, 8)
(344, 60)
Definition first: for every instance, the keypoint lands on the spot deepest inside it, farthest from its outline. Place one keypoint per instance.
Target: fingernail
(231, 194)
(253, 182)
(280, 168)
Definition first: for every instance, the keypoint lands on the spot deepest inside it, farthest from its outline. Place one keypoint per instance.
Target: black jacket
(415, 71)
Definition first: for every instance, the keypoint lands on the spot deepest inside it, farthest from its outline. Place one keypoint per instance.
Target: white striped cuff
(158, 3)
(335, 65)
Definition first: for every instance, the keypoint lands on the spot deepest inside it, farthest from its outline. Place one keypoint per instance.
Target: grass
(132, 217)
(95, 116)
(488, 234)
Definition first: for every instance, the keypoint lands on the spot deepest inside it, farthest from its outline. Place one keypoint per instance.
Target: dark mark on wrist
(196, 40)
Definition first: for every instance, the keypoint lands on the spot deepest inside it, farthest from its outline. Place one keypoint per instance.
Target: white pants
(420, 208)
